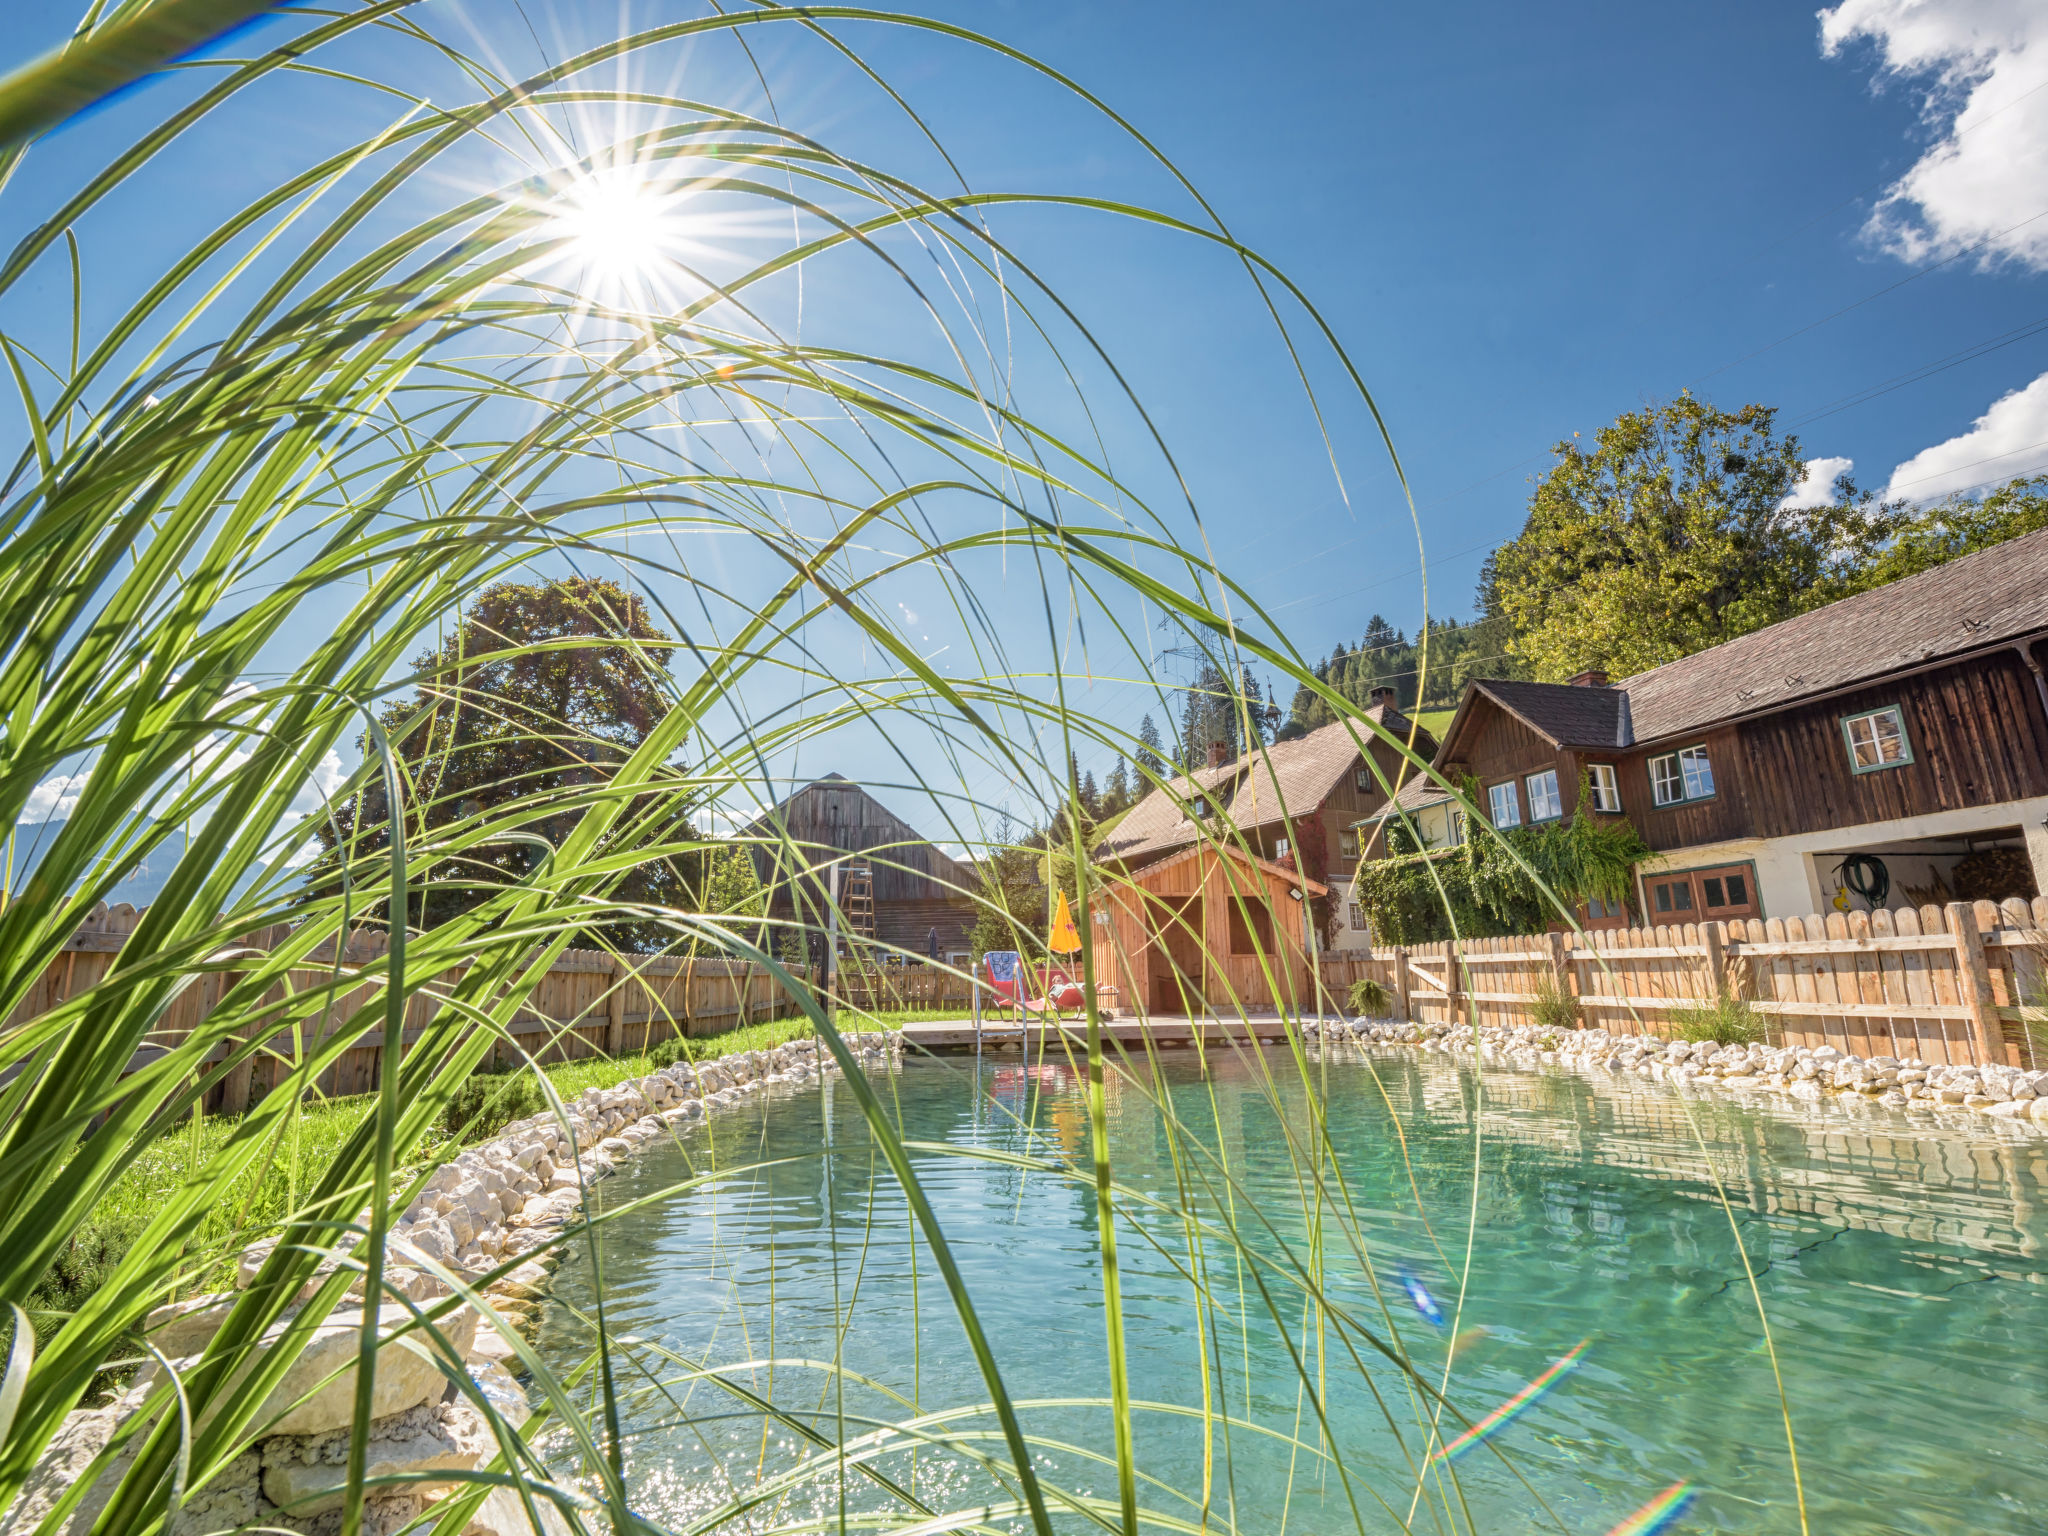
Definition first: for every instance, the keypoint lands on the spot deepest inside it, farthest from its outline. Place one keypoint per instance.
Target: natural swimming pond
(1899, 1268)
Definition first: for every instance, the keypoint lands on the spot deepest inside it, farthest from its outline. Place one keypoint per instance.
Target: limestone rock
(406, 1372)
(495, 1385)
(502, 1514)
(306, 1474)
(227, 1501)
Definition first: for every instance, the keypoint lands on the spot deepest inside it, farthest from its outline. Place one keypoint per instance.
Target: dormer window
(1199, 806)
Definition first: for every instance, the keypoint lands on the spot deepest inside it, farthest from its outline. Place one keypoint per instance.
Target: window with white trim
(1604, 787)
(1544, 801)
(1357, 918)
(1877, 739)
(1507, 810)
(1347, 843)
(1457, 828)
(1677, 777)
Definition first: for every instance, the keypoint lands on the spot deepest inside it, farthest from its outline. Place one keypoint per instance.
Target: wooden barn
(1209, 930)
(912, 887)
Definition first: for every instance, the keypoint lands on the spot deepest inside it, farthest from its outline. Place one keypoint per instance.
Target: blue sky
(1520, 221)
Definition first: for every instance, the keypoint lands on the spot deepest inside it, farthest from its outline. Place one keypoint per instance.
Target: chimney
(1383, 697)
(1592, 677)
(1219, 753)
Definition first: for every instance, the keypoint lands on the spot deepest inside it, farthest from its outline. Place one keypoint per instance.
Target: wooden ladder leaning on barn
(857, 902)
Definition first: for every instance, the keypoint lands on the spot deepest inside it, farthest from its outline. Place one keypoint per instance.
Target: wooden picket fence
(892, 988)
(1963, 983)
(588, 1003)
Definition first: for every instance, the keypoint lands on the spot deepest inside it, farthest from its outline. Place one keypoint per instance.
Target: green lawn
(1434, 721)
(272, 1190)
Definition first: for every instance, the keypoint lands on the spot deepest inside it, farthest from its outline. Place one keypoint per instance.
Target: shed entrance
(1175, 982)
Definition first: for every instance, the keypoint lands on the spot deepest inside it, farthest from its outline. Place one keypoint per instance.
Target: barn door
(1177, 961)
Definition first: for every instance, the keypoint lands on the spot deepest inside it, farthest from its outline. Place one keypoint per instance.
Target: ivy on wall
(1482, 891)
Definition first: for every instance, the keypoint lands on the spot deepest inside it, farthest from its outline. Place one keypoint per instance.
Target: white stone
(494, 1384)
(307, 1474)
(502, 1514)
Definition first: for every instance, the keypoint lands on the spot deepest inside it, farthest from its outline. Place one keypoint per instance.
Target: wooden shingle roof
(1995, 595)
(1981, 600)
(1289, 778)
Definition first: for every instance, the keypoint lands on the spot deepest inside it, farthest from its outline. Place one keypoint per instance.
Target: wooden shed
(1213, 929)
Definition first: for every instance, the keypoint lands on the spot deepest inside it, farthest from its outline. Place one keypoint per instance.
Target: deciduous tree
(541, 693)
(1668, 534)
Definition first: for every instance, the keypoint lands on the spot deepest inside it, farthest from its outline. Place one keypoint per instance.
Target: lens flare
(1514, 1407)
(1468, 1339)
(1424, 1302)
(1660, 1514)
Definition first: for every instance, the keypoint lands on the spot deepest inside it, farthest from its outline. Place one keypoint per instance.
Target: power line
(1940, 365)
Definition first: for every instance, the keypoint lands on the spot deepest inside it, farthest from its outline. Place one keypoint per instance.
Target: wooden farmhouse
(912, 887)
(1208, 929)
(1907, 725)
(1295, 802)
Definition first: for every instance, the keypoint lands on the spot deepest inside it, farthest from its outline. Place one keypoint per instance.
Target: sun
(620, 230)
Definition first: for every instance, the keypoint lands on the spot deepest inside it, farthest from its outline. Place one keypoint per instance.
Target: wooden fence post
(1973, 983)
(1717, 960)
(615, 1011)
(1454, 983)
(1564, 976)
(1401, 984)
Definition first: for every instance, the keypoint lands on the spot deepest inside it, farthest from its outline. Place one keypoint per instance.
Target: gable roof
(1565, 714)
(1969, 604)
(1978, 600)
(1251, 860)
(1288, 778)
(1418, 793)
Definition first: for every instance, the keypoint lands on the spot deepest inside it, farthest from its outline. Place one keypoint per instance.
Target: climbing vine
(1481, 890)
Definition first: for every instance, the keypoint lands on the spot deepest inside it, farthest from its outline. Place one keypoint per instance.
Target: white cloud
(2009, 440)
(327, 776)
(1980, 66)
(54, 799)
(57, 797)
(1816, 488)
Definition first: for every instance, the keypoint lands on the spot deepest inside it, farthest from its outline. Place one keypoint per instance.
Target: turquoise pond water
(1900, 1269)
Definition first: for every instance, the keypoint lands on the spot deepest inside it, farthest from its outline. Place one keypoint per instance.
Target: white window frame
(1357, 918)
(1690, 777)
(1545, 803)
(1870, 718)
(1605, 785)
(1347, 842)
(1512, 800)
(1456, 821)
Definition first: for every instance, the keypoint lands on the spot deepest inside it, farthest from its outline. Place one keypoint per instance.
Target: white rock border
(514, 1193)
(1807, 1073)
(505, 1197)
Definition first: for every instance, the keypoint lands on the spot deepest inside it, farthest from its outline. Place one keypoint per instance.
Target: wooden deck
(1040, 1036)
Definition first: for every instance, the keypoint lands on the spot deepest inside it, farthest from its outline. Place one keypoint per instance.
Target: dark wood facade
(1977, 732)
(1976, 738)
(916, 886)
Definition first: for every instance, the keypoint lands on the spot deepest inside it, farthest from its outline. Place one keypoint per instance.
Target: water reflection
(1897, 1265)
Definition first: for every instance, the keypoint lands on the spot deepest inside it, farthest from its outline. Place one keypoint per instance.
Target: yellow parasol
(1063, 940)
